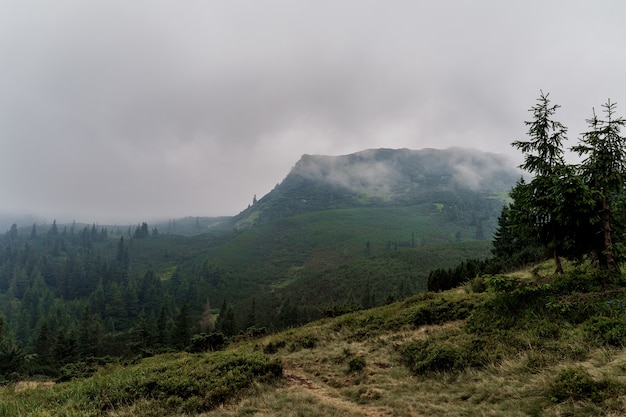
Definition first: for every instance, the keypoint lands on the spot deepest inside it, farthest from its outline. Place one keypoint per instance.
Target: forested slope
(70, 292)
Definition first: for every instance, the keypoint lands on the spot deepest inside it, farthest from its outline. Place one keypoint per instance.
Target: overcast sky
(125, 111)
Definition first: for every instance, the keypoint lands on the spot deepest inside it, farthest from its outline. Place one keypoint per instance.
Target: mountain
(337, 234)
(382, 178)
(357, 230)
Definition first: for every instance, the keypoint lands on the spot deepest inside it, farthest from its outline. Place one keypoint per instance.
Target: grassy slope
(545, 346)
(558, 351)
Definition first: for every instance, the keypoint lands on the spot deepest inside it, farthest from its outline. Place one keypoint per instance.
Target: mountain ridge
(371, 177)
(380, 177)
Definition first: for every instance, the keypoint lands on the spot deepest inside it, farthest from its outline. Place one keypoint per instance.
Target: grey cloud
(471, 169)
(161, 108)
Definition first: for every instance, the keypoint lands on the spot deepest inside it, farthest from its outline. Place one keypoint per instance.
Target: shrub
(273, 347)
(446, 354)
(506, 309)
(546, 329)
(255, 332)
(207, 342)
(308, 342)
(501, 283)
(303, 342)
(571, 383)
(81, 370)
(168, 384)
(575, 383)
(578, 281)
(477, 285)
(445, 279)
(12, 360)
(609, 330)
(356, 365)
(489, 316)
(441, 310)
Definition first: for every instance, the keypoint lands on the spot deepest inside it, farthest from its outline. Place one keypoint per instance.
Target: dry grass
(29, 385)
(318, 382)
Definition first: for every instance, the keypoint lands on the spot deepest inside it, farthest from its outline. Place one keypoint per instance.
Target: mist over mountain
(8, 219)
(386, 171)
(369, 178)
(382, 177)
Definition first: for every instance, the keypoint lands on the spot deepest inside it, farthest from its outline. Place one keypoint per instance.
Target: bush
(445, 279)
(168, 384)
(441, 310)
(477, 285)
(207, 342)
(303, 342)
(446, 355)
(491, 316)
(508, 308)
(575, 383)
(609, 330)
(501, 283)
(571, 383)
(198, 383)
(579, 281)
(542, 329)
(356, 365)
(273, 347)
(308, 342)
(12, 360)
(85, 369)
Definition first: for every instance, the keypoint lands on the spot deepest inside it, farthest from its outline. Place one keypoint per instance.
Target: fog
(115, 111)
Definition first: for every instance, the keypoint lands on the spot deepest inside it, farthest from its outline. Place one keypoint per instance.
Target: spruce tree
(182, 328)
(42, 345)
(543, 158)
(514, 241)
(225, 322)
(604, 170)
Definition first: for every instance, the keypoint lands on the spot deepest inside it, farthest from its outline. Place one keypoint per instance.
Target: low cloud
(135, 110)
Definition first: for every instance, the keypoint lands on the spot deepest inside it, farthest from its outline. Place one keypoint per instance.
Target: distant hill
(8, 219)
(358, 229)
(347, 229)
(337, 234)
(382, 178)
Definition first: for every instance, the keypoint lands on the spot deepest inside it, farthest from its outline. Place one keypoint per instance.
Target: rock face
(382, 177)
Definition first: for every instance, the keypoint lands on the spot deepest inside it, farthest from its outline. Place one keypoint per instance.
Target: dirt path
(328, 396)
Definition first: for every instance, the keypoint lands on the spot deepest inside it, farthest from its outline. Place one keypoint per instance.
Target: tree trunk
(607, 253)
(557, 262)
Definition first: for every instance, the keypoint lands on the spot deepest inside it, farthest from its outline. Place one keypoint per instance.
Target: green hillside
(526, 343)
(68, 279)
(75, 296)
(281, 261)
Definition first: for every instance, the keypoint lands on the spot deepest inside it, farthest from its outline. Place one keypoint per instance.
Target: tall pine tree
(543, 158)
(604, 170)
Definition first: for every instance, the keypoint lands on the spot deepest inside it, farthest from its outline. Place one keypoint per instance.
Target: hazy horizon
(26, 219)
